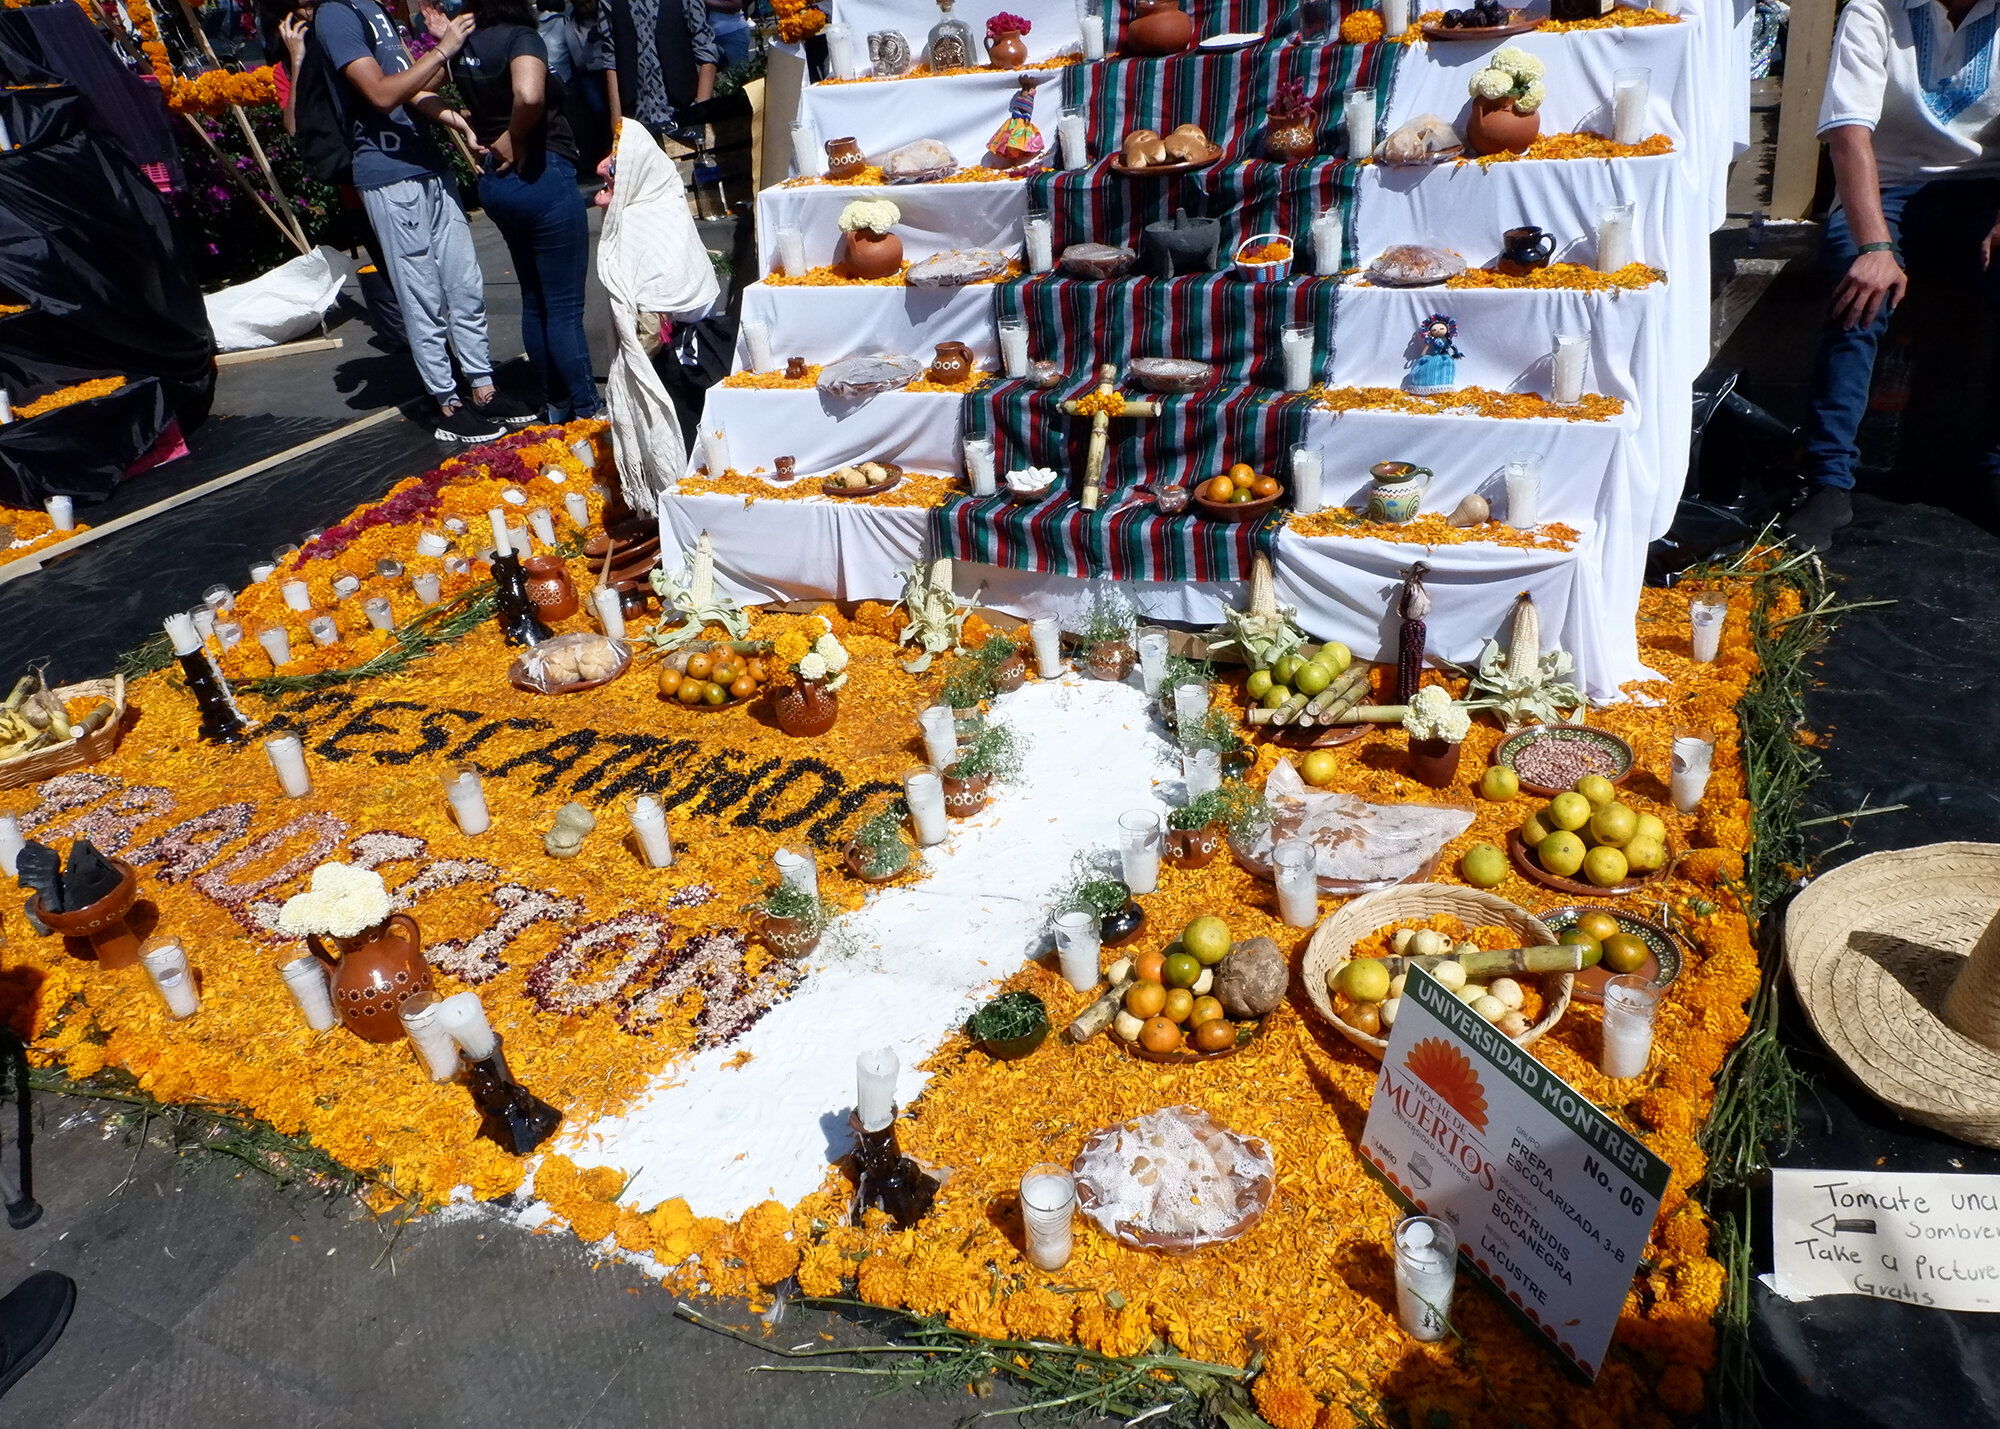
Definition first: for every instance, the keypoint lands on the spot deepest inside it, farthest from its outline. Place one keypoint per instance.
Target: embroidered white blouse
(1930, 92)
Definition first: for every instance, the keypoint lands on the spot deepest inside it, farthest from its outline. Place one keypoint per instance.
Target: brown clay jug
(1006, 50)
(550, 588)
(873, 255)
(1162, 28)
(844, 160)
(376, 972)
(804, 709)
(1290, 137)
(1496, 128)
(952, 364)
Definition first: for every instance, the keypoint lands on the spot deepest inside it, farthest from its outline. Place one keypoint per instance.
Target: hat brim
(1872, 948)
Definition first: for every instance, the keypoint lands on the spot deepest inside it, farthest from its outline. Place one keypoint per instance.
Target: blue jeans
(547, 231)
(1937, 228)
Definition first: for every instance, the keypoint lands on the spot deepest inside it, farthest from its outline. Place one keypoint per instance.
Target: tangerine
(1150, 967)
(715, 694)
(670, 680)
(742, 687)
(1206, 1009)
(1183, 969)
(1242, 473)
(1180, 1002)
(1216, 1035)
(1219, 490)
(690, 692)
(699, 667)
(1145, 999)
(1265, 486)
(1160, 1035)
(726, 671)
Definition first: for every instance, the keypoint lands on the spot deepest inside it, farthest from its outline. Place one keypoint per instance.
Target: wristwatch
(1876, 248)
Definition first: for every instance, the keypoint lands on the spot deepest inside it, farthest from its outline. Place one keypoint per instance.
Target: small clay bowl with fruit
(1164, 1018)
(1242, 494)
(1627, 944)
(709, 675)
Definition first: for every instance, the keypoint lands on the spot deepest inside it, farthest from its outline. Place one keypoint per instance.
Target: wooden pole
(289, 219)
(1795, 164)
(296, 240)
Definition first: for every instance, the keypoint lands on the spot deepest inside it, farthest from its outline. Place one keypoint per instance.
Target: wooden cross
(1100, 431)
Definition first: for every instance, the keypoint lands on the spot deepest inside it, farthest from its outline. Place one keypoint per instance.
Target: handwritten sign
(1552, 1200)
(1922, 1239)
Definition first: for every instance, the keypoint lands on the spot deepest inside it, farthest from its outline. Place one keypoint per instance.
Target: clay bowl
(1526, 865)
(1235, 511)
(1600, 740)
(1165, 171)
(1518, 24)
(102, 924)
(1246, 1033)
(895, 476)
(1662, 965)
(1172, 374)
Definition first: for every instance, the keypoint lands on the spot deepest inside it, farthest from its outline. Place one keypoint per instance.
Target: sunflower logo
(1445, 1070)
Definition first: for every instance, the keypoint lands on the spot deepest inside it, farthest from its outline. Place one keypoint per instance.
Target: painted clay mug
(952, 364)
(1398, 490)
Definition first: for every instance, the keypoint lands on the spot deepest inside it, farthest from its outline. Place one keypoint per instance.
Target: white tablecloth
(962, 110)
(1053, 32)
(821, 324)
(817, 549)
(936, 217)
(916, 430)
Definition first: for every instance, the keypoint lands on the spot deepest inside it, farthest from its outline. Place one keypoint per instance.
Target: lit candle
(1139, 849)
(1522, 478)
(1038, 232)
(305, 979)
(435, 1049)
(166, 964)
(379, 613)
(791, 251)
(714, 450)
(923, 791)
(287, 754)
(344, 586)
(180, 630)
(979, 467)
(1070, 134)
(1048, 1211)
(62, 513)
(1629, 1005)
(468, 800)
(1572, 351)
(1295, 871)
(940, 735)
(1296, 341)
(808, 159)
(11, 844)
(427, 586)
(1014, 346)
(1306, 471)
(1630, 89)
(433, 543)
(228, 633)
(1395, 18)
(577, 506)
(798, 869)
(298, 595)
(610, 612)
(875, 1088)
(1693, 755)
(324, 630)
(1201, 772)
(277, 644)
(649, 824)
(1079, 948)
(1190, 704)
(1614, 237)
(543, 525)
(464, 1017)
(555, 474)
(1426, 1272)
(1705, 617)
(496, 518)
(219, 598)
(261, 572)
(1359, 114)
(1152, 661)
(1046, 632)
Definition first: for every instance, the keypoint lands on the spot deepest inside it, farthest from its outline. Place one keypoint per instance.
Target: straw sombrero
(1896, 958)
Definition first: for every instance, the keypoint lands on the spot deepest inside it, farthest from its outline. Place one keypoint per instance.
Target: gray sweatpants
(428, 245)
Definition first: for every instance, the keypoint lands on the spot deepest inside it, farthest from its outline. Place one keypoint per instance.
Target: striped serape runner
(1129, 541)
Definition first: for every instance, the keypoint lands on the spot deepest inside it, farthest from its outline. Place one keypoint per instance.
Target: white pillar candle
(1426, 1272)
(181, 632)
(433, 543)
(543, 523)
(1296, 341)
(463, 1015)
(875, 1088)
(798, 869)
(1395, 18)
(467, 798)
(610, 612)
(1522, 478)
(1693, 756)
(756, 344)
(1190, 704)
(1614, 237)
(840, 51)
(1307, 494)
(1139, 849)
(166, 964)
(791, 252)
(714, 449)
(1014, 346)
(1630, 90)
(1090, 24)
(379, 612)
(1152, 661)
(305, 979)
(979, 468)
(1078, 947)
(649, 826)
(940, 735)
(62, 513)
(496, 520)
(1359, 115)
(923, 791)
(277, 644)
(261, 572)
(228, 634)
(11, 844)
(1572, 351)
(577, 506)
(584, 450)
(1038, 236)
(1201, 772)
(1295, 872)
(427, 1033)
(1705, 617)
(808, 159)
(1048, 1215)
(298, 595)
(1629, 1005)
(324, 630)
(288, 758)
(1046, 632)
(1070, 134)
(344, 586)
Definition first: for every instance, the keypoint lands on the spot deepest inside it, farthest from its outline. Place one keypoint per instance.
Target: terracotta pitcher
(844, 159)
(1495, 126)
(873, 255)
(952, 364)
(374, 974)
(1162, 28)
(804, 709)
(1006, 50)
(550, 588)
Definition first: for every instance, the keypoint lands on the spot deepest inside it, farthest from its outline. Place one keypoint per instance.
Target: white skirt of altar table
(825, 324)
(962, 111)
(936, 218)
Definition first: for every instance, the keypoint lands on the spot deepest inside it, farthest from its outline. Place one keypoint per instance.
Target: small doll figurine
(1018, 140)
(1435, 368)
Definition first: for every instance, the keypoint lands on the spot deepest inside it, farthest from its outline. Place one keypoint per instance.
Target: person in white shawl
(652, 263)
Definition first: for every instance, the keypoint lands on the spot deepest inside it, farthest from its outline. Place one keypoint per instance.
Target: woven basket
(32, 768)
(1332, 946)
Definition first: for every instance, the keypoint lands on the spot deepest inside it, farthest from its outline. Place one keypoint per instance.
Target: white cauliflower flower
(1518, 62)
(1491, 84)
(1530, 98)
(877, 215)
(1433, 715)
(341, 902)
(828, 645)
(833, 652)
(813, 667)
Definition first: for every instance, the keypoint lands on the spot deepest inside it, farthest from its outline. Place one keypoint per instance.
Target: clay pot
(1006, 50)
(804, 709)
(1121, 924)
(1161, 29)
(952, 364)
(1011, 673)
(844, 159)
(1523, 250)
(550, 589)
(1110, 659)
(857, 864)
(1193, 848)
(101, 924)
(873, 255)
(1495, 127)
(964, 797)
(787, 937)
(376, 972)
(1291, 138)
(1181, 245)
(1434, 762)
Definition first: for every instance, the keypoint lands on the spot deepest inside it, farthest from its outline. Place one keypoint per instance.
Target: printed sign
(1922, 1239)
(1552, 1200)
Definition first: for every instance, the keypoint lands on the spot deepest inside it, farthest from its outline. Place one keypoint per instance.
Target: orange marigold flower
(1680, 1389)
(1360, 27)
(821, 1269)
(1284, 1402)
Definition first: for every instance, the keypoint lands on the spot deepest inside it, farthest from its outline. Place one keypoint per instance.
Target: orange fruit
(691, 691)
(726, 671)
(1264, 486)
(1215, 1035)
(1150, 967)
(756, 669)
(742, 687)
(1206, 1009)
(1183, 970)
(670, 680)
(699, 666)
(715, 694)
(1145, 999)
(1180, 1002)
(1240, 494)
(1160, 1035)
(1242, 473)
(1220, 489)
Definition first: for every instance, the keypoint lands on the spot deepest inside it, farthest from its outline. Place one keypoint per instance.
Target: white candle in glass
(1295, 872)
(577, 506)
(517, 538)
(584, 450)
(1152, 661)
(543, 523)
(1693, 756)
(182, 634)
(261, 572)
(940, 735)
(1614, 237)
(1201, 772)
(305, 979)
(433, 543)
(757, 344)
(228, 634)
(1426, 1272)
(166, 964)
(875, 1088)
(324, 630)
(1629, 1005)
(1048, 1215)
(1296, 341)
(427, 586)
(1090, 24)
(1139, 849)
(1705, 617)
(1326, 231)
(1079, 949)
(979, 467)
(1038, 235)
(1395, 18)
(468, 800)
(840, 51)
(1307, 494)
(1359, 115)
(797, 868)
(1014, 346)
(923, 791)
(610, 611)
(219, 598)
(1572, 351)
(808, 159)
(714, 449)
(287, 754)
(428, 1034)
(11, 844)
(1522, 479)
(277, 644)
(62, 513)
(649, 826)
(463, 1015)
(1190, 703)
(379, 613)
(298, 595)
(1070, 134)
(1046, 633)
(791, 252)
(204, 622)
(344, 586)
(1630, 90)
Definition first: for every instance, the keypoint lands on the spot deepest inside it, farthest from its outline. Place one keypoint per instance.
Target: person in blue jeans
(1912, 96)
(527, 185)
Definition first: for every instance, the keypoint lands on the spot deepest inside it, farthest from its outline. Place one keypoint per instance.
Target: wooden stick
(242, 183)
(290, 219)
